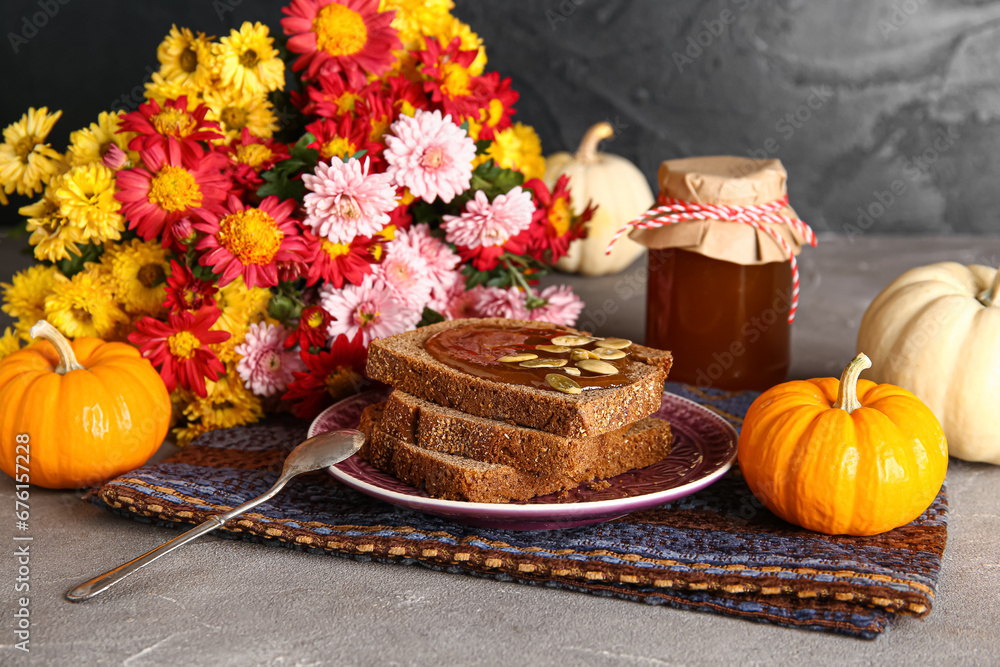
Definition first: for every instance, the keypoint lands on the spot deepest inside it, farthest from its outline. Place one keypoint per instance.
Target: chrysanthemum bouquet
(252, 243)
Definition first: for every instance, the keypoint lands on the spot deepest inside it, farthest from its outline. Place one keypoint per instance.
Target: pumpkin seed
(562, 383)
(596, 366)
(555, 349)
(571, 341)
(614, 343)
(608, 353)
(514, 358)
(543, 363)
(572, 371)
(579, 355)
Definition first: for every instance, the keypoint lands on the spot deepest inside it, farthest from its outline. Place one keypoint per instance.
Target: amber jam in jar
(725, 323)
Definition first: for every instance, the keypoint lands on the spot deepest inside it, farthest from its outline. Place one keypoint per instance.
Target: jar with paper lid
(723, 279)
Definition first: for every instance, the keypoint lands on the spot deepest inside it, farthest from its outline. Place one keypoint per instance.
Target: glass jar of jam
(719, 291)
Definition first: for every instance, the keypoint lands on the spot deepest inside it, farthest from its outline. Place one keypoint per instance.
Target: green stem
(847, 394)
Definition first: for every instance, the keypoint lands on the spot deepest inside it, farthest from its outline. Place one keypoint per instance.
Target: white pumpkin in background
(936, 331)
(620, 192)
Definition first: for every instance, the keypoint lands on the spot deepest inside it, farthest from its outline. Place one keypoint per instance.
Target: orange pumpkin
(843, 457)
(88, 411)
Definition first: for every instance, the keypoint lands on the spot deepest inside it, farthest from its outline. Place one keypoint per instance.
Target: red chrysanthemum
(554, 225)
(496, 99)
(248, 157)
(332, 376)
(172, 186)
(486, 258)
(343, 138)
(185, 292)
(329, 96)
(349, 36)
(311, 332)
(447, 78)
(179, 347)
(339, 262)
(155, 125)
(250, 241)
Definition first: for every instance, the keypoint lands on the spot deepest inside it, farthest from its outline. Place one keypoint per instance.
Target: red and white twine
(671, 211)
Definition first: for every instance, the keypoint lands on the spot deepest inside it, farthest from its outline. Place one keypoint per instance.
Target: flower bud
(115, 158)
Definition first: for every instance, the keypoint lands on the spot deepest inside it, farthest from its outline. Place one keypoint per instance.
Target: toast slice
(436, 428)
(403, 362)
(453, 477)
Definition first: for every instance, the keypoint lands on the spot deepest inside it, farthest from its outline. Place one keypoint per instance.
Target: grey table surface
(222, 602)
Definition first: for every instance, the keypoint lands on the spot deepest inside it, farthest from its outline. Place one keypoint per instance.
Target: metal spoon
(317, 452)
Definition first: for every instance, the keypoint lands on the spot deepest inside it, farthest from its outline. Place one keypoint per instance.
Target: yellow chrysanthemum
(52, 237)
(137, 271)
(86, 197)
(27, 163)
(453, 28)
(228, 403)
(161, 89)
(248, 60)
(416, 18)
(85, 306)
(10, 342)
(240, 307)
(24, 296)
(234, 111)
(91, 143)
(185, 434)
(186, 59)
(517, 147)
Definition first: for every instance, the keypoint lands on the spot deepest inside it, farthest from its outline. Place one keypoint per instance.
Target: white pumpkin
(620, 192)
(936, 331)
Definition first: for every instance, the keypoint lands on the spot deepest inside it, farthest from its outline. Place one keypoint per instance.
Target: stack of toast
(500, 410)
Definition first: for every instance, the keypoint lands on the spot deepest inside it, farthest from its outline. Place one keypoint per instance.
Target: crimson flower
(311, 332)
(178, 348)
(343, 138)
(155, 125)
(250, 241)
(332, 376)
(349, 36)
(185, 292)
(336, 263)
(554, 225)
(496, 100)
(248, 157)
(172, 186)
(447, 78)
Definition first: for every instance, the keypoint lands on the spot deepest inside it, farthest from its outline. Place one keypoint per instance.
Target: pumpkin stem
(587, 152)
(991, 297)
(847, 395)
(67, 359)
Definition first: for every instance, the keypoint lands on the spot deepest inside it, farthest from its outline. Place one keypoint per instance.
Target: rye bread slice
(433, 427)
(453, 477)
(402, 362)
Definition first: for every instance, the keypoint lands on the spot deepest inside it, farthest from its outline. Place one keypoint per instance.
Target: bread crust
(449, 476)
(402, 362)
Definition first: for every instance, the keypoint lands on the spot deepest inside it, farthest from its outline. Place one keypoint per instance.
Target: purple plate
(704, 449)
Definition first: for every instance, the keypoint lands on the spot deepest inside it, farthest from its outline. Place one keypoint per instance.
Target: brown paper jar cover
(730, 181)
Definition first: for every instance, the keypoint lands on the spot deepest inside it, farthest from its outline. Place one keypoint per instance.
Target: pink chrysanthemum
(451, 299)
(441, 260)
(405, 272)
(265, 365)
(561, 306)
(501, 302)
(430, 155)
(349, 36)
(485, 223)
(369, 307)
(345, 201)
(249, 241)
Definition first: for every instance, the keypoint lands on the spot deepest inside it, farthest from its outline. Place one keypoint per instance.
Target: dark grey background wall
(885, 112)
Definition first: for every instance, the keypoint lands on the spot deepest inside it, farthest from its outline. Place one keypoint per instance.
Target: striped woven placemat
(718, 550)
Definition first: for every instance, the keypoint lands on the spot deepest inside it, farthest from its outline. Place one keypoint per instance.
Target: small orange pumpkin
(848, 457)
(89, 410)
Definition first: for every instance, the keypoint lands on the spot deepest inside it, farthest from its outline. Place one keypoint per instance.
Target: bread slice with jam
(510, 371)
(454, 477)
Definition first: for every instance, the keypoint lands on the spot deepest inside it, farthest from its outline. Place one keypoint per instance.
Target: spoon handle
(101, 583)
